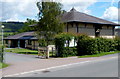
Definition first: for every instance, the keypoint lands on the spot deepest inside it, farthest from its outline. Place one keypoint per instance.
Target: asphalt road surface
(107, 67)
(13, 57)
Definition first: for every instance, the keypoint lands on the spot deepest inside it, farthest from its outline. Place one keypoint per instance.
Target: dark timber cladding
(74, 18)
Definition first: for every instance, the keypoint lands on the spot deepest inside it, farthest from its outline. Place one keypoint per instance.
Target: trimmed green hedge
(60, 41)
(117, 43)
(89, 46)
(1, 54)
(105, 45)
(68, 51)
(85, 45)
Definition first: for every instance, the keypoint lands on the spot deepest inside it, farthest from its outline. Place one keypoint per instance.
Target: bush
(85, 45)
(88, 46)
(1, 54)
(68, 51)
(117, 43)
(105, 45)
(60, 41)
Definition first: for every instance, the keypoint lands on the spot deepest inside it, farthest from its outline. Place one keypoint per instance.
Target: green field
(6, 34)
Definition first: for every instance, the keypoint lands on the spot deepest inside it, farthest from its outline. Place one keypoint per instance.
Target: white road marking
(38, 70)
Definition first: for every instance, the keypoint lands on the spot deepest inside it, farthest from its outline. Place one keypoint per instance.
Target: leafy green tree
(26, 26)
(49, 21)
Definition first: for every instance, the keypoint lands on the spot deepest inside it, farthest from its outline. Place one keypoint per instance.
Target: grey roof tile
(76, 16)
(24, 35)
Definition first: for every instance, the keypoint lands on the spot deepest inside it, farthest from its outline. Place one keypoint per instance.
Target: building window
(29, 42)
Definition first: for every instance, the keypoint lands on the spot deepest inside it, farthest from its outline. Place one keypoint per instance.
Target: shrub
(60, 41)
(86, 45)
(1, 54)
(105, 45)
(117, 43)
(68, 51)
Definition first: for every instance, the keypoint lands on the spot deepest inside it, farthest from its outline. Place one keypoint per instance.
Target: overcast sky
(12, 10)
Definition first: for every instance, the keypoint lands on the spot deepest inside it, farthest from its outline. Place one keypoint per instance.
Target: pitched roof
(76, 16)
(24, 35)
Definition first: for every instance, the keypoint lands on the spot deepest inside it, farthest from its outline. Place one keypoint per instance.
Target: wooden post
(18, 43)
(67, 27)
(25, 43)
(47, 52)
(77, 28)
(9, 43)
(113, 30)
(52, 51)
(38, 51)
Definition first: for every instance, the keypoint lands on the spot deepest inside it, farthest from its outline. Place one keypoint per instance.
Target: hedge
(1, 54)
(85, 45)
(117, 43)
(105, 45)
(88, 46)
(68, 51)
(60, 40)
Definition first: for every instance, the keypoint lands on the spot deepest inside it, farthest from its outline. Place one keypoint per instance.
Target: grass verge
(3, 65)
(22, 51)
(100, 54)
(25, 51)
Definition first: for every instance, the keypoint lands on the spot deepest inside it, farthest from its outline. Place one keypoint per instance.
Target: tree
(49, 21)
(26, 26)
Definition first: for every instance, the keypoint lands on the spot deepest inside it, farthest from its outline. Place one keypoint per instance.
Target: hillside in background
(12, 26)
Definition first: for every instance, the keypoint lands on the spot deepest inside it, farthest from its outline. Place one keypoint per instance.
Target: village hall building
(76, 22)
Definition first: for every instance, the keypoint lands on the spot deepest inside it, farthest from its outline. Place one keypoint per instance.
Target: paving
(31, 62)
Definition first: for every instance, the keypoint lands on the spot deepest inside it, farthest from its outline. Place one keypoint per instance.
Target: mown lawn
(22, 51)
(3, 65)
(100, 54)
(35, 52)
(25, 51)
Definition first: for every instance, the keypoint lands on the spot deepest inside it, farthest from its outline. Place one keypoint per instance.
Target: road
(99, 68)
(106, 66)
(13, 57)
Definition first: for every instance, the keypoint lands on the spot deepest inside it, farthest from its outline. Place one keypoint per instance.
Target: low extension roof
(23, 36)
(76, 16)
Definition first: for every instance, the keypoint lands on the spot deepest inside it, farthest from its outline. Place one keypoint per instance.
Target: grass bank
(3, 65)
(100, 54)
